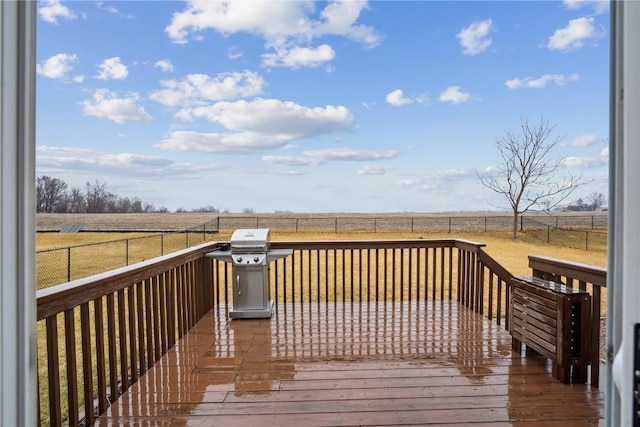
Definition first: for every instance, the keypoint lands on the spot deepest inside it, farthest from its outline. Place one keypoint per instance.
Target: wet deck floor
(386, 364)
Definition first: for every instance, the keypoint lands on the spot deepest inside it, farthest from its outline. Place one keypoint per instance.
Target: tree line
(54, 195)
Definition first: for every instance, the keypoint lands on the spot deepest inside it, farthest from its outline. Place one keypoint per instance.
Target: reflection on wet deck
(427, 363)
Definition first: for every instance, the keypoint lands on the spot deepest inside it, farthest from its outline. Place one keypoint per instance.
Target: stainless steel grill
(250, 256)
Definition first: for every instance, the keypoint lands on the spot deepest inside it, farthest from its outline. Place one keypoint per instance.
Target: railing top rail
(363, 244)
(495, 266)
(68, 295)
(575, 270)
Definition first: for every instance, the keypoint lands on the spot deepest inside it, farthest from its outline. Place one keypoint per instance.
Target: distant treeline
(55, 196)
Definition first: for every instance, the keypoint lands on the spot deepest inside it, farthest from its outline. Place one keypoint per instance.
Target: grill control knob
(256, 259)
(239, 259)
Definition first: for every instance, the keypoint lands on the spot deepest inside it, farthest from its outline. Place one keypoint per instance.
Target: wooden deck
(387, 364)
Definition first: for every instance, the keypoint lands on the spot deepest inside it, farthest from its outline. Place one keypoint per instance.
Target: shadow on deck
(431, 363)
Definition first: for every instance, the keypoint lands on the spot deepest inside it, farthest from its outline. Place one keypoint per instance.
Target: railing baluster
(53, 366)
(140, 311)
(87, 375)
(113, 360)
(133, 333)
(101, 365)
(122, 335)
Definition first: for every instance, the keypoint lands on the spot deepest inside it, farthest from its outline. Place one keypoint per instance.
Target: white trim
(18, 372)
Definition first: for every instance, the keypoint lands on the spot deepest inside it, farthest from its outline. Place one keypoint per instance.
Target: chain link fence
(60, 265)
(568, 231)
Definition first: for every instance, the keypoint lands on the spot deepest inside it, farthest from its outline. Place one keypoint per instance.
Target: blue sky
(354, 106)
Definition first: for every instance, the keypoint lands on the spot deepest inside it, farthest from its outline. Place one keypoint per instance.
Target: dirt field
(480, 221)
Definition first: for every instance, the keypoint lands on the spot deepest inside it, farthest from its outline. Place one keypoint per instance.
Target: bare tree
(596, 200)
(97, 197)
(50, 193)
(527, 176)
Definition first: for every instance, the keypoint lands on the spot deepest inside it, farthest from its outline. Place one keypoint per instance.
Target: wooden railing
(98, 335)
(587, 278)
(126, 318)
(384, 270)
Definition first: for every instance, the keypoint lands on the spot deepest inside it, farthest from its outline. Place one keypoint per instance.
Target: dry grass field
(410, 221)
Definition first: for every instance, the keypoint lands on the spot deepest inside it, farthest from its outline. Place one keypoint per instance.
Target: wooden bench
(553, 320)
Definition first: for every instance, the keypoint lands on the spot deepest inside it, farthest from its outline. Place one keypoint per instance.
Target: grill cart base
(252, 313)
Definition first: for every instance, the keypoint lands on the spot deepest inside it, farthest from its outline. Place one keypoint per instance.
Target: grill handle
(238, 284)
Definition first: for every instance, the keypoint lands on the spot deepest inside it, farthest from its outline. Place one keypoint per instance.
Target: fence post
(161, 244)
(412, 225)
(126, 252)
(586, 243)
(336, 225)
(449, 224)
(548, 233)
(485, 224)
(297, 219)
(375, 225)
(521, 222)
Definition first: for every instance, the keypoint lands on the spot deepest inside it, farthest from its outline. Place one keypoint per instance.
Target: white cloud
(57, 66)
(112, 68)
(348, 154)
(318, 157)
(50, 149)
(165, 65)
(234, 52)
(196, 89)
(442, 182)
(573, 35)
(122, 164)
(290, 160)
(287, 27)
(51, 10)
(273, 117)
(599, 6)
(297, 57)
(584, 140)
(397, 99)
(374, 170)
(221, 143)
(541, 82)
(454, 95)
(340, 18)
(475, 38)
(275, 21)
(260, 125)
(584, 162)
(109, 105)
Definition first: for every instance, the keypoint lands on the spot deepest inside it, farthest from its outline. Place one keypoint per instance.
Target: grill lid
(250, 240)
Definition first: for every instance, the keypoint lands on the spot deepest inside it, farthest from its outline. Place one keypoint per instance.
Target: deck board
(384, 364)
